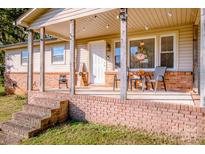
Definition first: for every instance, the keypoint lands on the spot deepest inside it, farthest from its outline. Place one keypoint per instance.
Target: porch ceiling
(106, 23)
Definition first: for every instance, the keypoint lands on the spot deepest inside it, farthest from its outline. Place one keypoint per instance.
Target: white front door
(98, 55)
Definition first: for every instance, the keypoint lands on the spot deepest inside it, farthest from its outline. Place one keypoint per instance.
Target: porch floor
(160, 96)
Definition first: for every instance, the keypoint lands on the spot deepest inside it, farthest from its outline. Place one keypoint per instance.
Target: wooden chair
(159, 74)
(63, 80)
(117, 78)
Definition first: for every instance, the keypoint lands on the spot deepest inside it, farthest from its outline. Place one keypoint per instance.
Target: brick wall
(179, 120)
(20, 80)
(174, 80)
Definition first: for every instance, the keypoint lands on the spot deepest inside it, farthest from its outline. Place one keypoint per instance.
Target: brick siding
(179, 120)
(20, 80)
(174, 80)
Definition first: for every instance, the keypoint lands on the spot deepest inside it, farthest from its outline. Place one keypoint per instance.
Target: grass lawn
(86, 133)
(9, 104)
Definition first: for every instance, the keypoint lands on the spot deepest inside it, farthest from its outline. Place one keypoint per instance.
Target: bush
(1, 80)
(20, 97)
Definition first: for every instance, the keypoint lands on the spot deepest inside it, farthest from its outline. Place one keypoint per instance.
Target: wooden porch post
(30, 60)
(123, 54)
(72, 57)
(202, 59)
(42, 59)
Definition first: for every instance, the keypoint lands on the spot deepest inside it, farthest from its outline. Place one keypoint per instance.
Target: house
(91, 46)
(172, 42)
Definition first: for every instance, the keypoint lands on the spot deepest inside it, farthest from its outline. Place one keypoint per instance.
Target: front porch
(168, 97)
(163, 43)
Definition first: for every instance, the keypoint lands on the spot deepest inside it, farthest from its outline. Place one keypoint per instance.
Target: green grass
(9, 104)
(85, 133)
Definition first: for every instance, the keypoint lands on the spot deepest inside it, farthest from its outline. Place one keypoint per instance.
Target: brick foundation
(178, 120)
(17, 82)
(174, 80)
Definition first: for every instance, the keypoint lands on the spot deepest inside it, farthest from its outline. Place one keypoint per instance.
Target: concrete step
(14, 129)
(46, 102)
(31, 120)
(6, 139)
(37, 109)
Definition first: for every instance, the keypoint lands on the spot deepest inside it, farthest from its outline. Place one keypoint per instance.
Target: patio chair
(159, 74)
(117, 78)
(63, 80)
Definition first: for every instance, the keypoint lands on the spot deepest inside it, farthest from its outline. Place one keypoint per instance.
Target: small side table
(140, 78)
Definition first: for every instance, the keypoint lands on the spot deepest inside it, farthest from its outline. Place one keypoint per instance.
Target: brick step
(46, 102)
(31, 120)
(14, 129)
(8, 139)
(39, 114)
(55, 95)
(37, 109)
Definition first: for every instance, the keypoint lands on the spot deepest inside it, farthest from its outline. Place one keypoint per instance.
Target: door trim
(90, 60)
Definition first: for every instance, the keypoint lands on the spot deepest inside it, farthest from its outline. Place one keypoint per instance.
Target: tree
(9, 33)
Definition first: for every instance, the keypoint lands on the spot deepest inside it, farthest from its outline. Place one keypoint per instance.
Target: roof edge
(19, 21)
(24, 44)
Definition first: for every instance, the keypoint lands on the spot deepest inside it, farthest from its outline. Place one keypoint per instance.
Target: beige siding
(184, 45)
(185, 61)
(82, 58)
(13, 60)
(184, 51)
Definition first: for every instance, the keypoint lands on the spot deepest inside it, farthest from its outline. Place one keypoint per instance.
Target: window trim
(155, 53)
(64, 57)
(24, 64)
(175, 51)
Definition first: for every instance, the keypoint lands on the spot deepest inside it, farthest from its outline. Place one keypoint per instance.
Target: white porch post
(72, 57)
(30, 61)
(202, 59)
(123, 54)
(42, 59)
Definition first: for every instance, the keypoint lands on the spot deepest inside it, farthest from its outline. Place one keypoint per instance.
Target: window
(58, 55)
(145, 47)
(117, 55)
(167, 51)
(24, 57)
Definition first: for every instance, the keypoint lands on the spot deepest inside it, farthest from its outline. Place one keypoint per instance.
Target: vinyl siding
(184, 52)
(82, 58)
(185, 62)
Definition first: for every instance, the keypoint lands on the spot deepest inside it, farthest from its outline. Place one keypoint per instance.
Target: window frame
(64, 57)
(24, 64)
(155, 52)
(174, 50)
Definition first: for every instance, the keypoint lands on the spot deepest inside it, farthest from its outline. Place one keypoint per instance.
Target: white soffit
(106, 23)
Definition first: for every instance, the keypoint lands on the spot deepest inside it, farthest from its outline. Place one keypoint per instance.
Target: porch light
(83, 29)
(107, 26)
(169, 14)
(146, 27)
(123, 16)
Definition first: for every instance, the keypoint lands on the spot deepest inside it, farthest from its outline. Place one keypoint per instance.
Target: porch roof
(99, 22)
